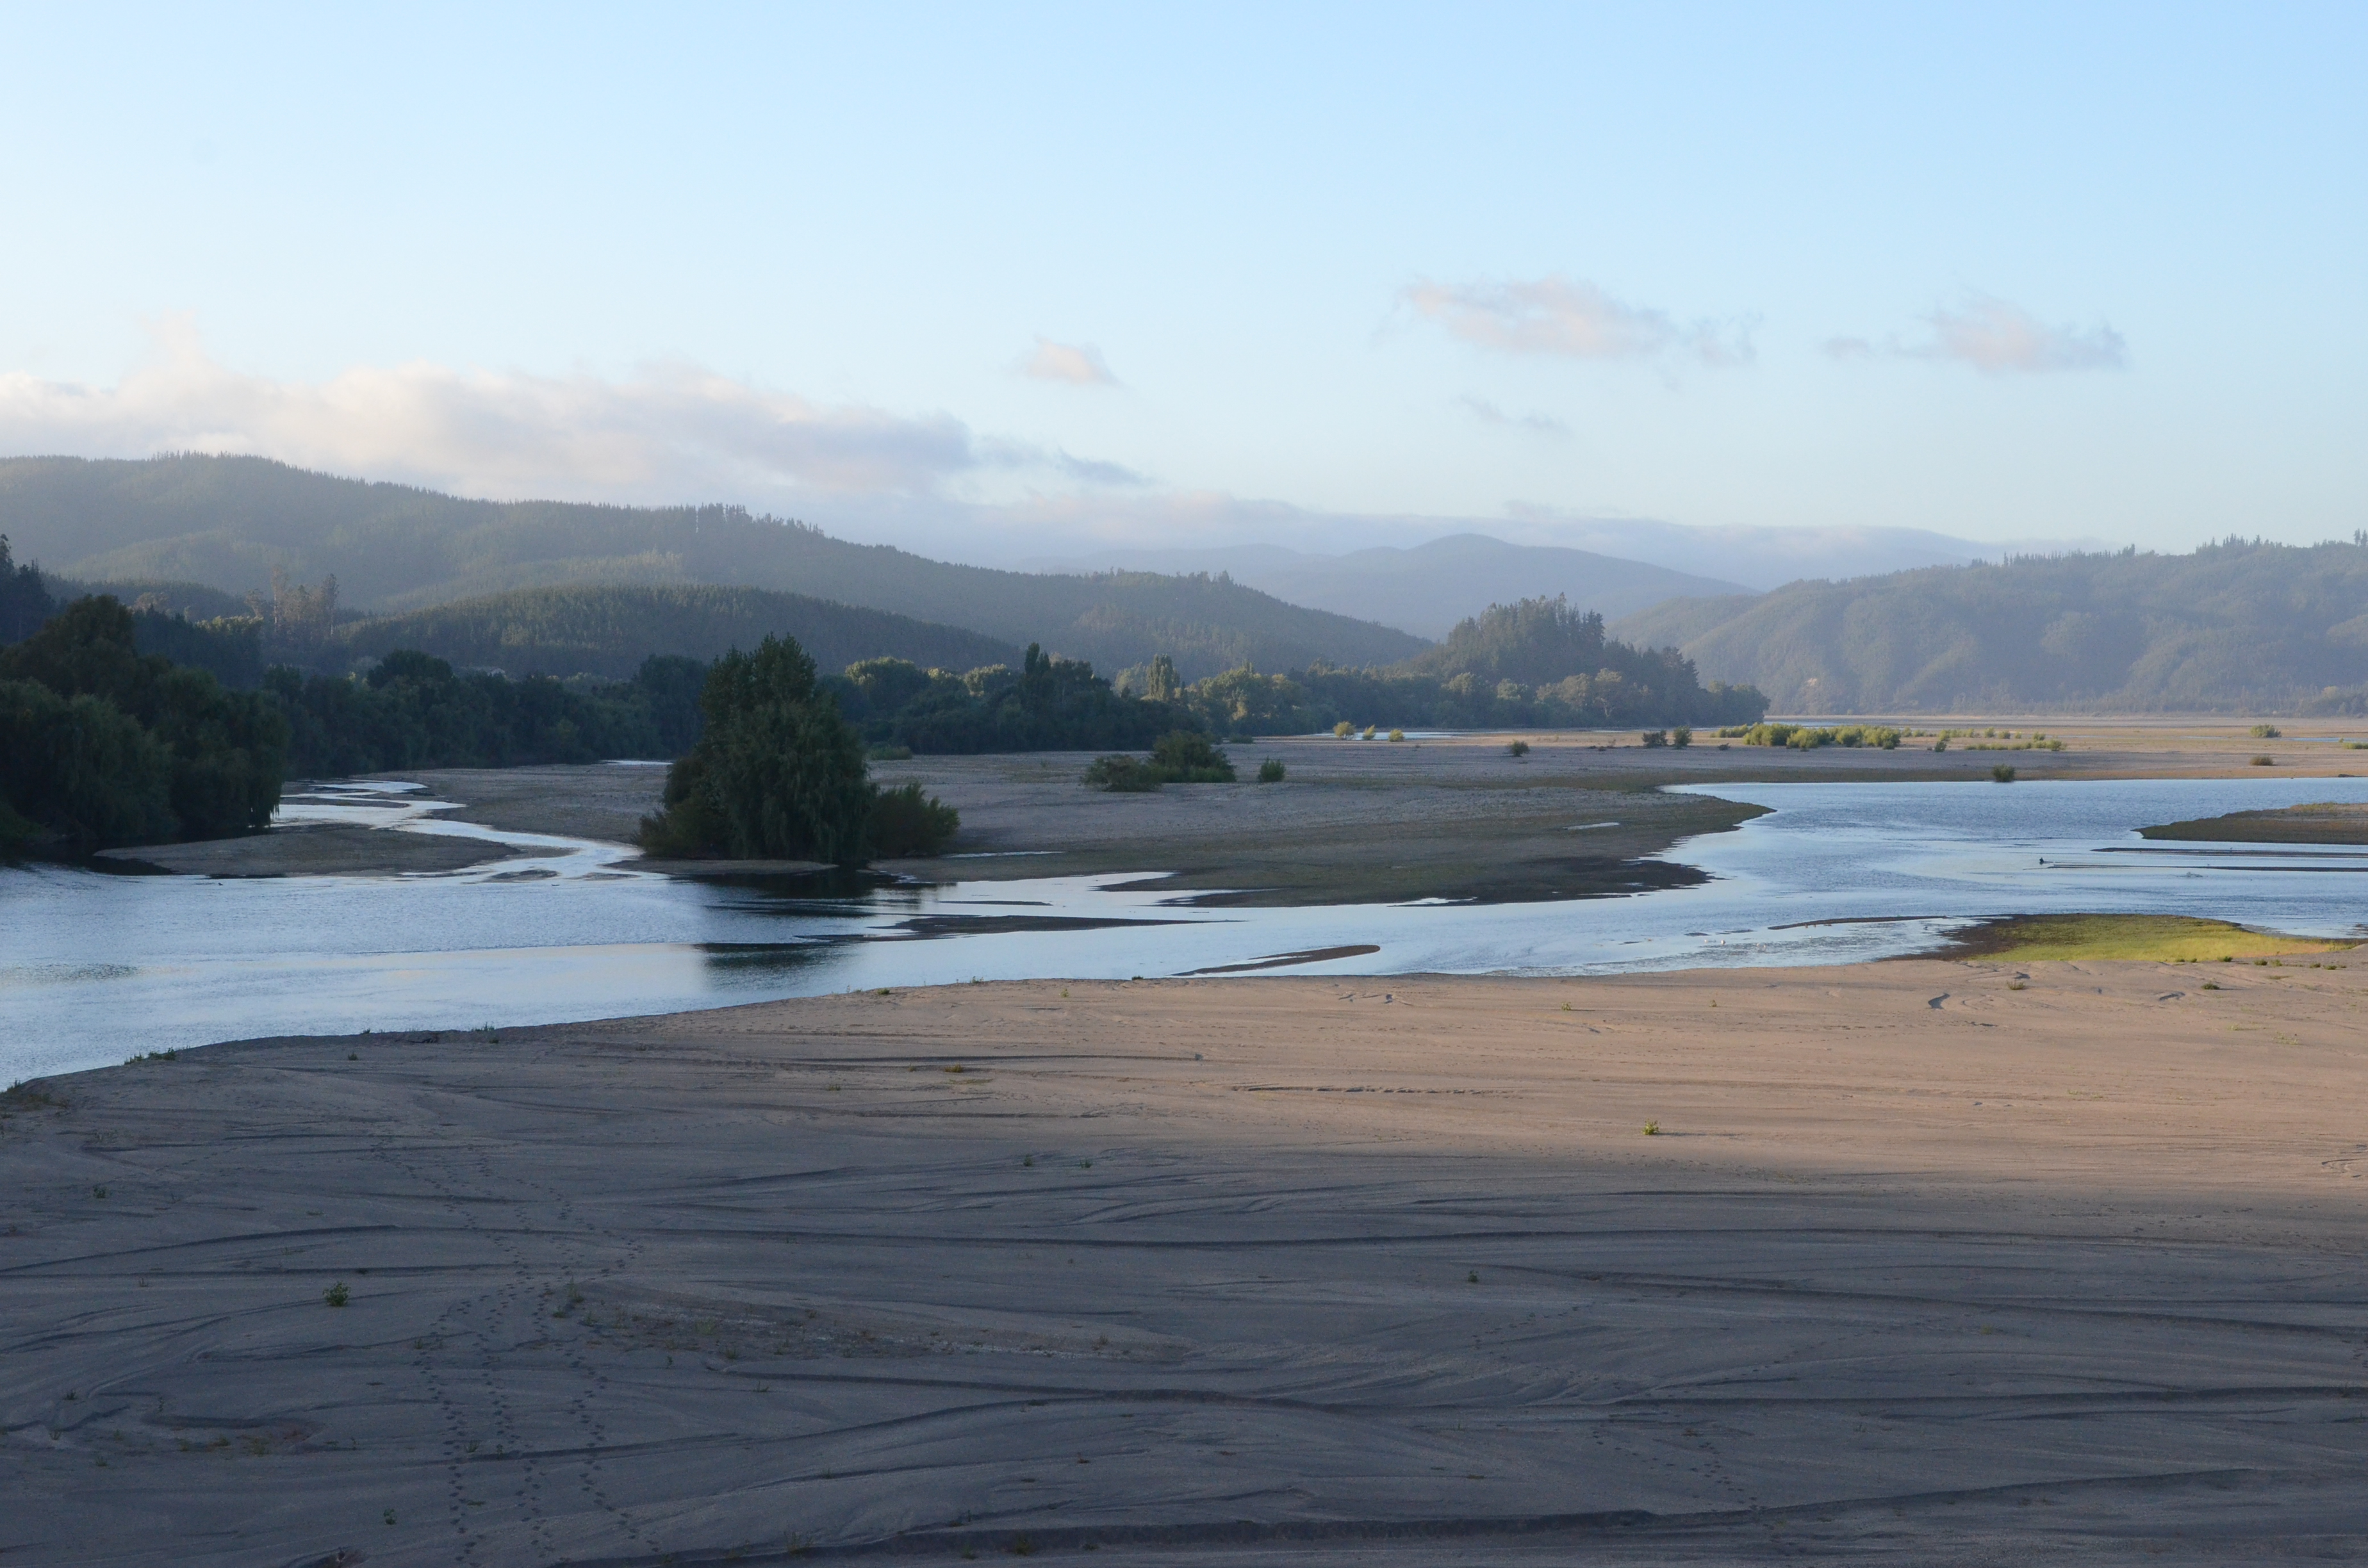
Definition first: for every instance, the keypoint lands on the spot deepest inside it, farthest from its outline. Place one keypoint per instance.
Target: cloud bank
(1998, 337)
(667, 433)
(1079, 365)
(1574, 320)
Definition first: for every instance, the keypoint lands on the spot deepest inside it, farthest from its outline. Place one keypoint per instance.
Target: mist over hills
(228, 522)
(2235, 626)
(1427, 588)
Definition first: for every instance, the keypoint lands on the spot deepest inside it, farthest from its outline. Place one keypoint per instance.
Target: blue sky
(1006, 278)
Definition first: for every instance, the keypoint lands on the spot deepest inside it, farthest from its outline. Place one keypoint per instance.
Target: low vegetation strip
(2325, 821)
(2160, 938)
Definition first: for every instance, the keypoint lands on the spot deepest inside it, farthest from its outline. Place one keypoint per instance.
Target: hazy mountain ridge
(228, 522)
(2239, 625)
(1426, 588)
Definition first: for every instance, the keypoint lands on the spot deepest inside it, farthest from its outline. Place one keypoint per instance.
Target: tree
(776, 775)
(24, 598)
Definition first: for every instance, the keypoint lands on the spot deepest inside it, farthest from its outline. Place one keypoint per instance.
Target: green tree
(776, 775)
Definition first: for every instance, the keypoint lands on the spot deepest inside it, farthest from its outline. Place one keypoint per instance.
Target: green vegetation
(2236, 625)
(2266, 732)
(1180, 757)
(2170, 939)
(2323, 822)
(2264, 762)
(412, 710)
(777, 774)
(1809, 737)
(1537, 662)
(228, 522)
(1048, 704)
(2002, 772)
(101, 745)
(24, 598)
(608, 630)
(1270, 771)
(1518, 748)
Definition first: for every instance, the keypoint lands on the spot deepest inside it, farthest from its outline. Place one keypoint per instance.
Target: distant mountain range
(1427, 588)
(227, 523)
(2238, 626)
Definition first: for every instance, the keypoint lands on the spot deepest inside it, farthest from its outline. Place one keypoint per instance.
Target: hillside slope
(609, 631)
(1427, 588)
(2236, 625)
(228, 522)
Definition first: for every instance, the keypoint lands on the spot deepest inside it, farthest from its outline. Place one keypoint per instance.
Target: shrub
(2002, 772)
(1369, 731)
(1682, 737)
(1519, 748)
(1185, 756)
(1271, 770)
(1397, 734)
(906, 822)
(2265, 762)
(2265, 731)
(1122, 773)
(1655, 737)
(1344, 729)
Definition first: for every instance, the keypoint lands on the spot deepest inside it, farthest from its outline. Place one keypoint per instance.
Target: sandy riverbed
(1353, 822)
(1928, 1262)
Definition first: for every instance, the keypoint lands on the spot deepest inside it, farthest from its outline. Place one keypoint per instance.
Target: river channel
(94, 967)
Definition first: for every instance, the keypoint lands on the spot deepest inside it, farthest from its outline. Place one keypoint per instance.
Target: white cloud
(670, 433)
(1077, 364)
(1488, 413)
(1574, 319)
(1998, 337)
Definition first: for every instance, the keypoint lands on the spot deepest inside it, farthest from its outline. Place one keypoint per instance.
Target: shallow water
(94, 967)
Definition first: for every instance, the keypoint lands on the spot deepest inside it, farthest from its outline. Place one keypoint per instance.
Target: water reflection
(96, 967)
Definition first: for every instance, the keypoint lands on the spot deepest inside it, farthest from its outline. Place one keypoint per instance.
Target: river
(94, 967)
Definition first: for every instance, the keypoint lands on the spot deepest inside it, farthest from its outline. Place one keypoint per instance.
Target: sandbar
(1924, 1261)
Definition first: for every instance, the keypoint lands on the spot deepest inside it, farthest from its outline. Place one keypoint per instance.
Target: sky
(1002, 280)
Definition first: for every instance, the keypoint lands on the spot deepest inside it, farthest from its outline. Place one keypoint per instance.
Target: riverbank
(1353, 822)
(1924, 1260)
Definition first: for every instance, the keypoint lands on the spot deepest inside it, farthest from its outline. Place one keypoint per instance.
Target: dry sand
(1921, 1268)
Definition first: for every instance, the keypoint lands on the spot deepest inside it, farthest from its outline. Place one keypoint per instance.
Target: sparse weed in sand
(98, 1192)
(337, 1296)
(1652, 1129)
(1519, 748)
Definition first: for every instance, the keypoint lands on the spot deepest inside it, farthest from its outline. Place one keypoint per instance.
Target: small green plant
(1368, 732)
(1682, 737)
(1397, 734)
(337, 1296)
(1655, 737)
(388, 1516)
(2211, 985)
(2265, 731)
(1519, 748)
(2002, 772)
(1941, 744)
(1472, 1278)
(2265, 762)
(98, 1192)
(1270, 771)
(1344, 729)
(1652, 1129)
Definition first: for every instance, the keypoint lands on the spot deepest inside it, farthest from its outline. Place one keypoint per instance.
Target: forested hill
(609, 631)
(2237, 626)
(228, 522)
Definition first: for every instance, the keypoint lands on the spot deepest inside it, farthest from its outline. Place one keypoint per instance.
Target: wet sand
(1928, 1262)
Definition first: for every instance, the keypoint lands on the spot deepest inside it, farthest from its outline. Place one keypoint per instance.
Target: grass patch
(2321, 822)
(2161, 938)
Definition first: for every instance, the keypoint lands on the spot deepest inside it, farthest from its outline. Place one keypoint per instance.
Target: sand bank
(1928, 1262)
